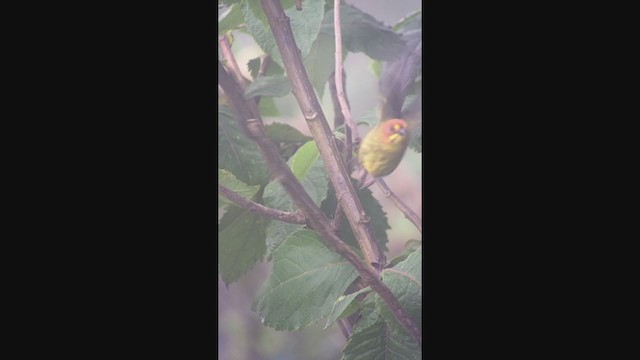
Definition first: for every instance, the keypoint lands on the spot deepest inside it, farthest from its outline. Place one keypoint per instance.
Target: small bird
(383, 147)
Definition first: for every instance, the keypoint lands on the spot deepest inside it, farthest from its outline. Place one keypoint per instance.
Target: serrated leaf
(226, 179)
(405, 282)
(306, 280)
(272, 68)
(344, 306)
(305, 25)
(361, 32)
(379, 222)
(237, 153)
(286, 134)
(254, 67)
(380, 342)
(241, 243)
(275, 86)
(231, 19)
(308, 167)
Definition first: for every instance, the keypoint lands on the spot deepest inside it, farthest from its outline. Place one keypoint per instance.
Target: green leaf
(376, 67)
(380, 342)
(409, 247)
(254, 67)
(321, 61)
(241, 243)
(344, 306)
(267, 107)
(226, 179)
(277, 232)
(306, 280)
(379, 222)
(308, 167)
(228, 2)
(237, 153)
(363, 33)
(405, 282)
(272, 68)
(305, 25)
(231, 19)
(286, 134)
(369, 313)
(275, 86)
(410, 22)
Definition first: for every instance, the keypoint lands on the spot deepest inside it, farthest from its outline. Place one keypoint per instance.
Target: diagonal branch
(323, 136)
(255, 130)
(231, 62)
(288, 217)
(345, 193)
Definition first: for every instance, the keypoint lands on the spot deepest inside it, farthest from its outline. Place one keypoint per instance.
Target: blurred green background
(241, 335)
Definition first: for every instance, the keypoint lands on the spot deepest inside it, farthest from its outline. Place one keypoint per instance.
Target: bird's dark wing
(397, 78)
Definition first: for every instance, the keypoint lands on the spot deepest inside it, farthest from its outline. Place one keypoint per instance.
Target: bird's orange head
(395, 131)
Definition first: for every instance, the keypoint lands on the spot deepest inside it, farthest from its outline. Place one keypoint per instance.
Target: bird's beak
(402, 132)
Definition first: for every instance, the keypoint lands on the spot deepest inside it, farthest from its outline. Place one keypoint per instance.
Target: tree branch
(408, 213)
(345, 193)
(344, 105)
(288, 217)
(316, 218)
(232, 64)
(339, 119)
(308, 102)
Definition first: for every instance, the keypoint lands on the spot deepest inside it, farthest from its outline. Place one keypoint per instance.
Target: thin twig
(345, 193)
(347, 146)
(345, 327)
(288, 217)
(339, 119)
(338, 74)
(408, 213)
(232, 64)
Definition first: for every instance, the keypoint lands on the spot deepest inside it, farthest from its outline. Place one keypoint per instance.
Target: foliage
(310, 282)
